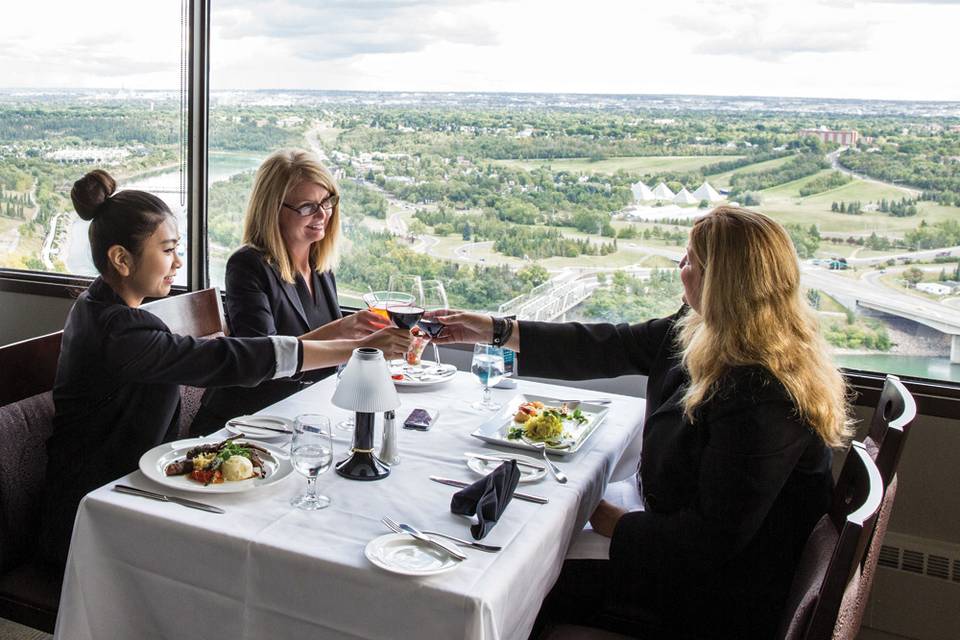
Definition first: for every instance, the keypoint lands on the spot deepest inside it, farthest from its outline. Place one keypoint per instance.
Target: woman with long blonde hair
(280, 282)
(743, 408)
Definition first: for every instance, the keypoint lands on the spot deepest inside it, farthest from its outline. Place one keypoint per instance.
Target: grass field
(723, 179)
(632, 164)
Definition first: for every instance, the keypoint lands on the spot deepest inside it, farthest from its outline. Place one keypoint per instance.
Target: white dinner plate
(416, 377)
(275, 422)
(497, 428)
(527, 474)
(153, 463)
(403, 554)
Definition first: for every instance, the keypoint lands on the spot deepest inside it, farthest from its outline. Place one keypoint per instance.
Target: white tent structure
(662, 192)
(685, 197)
(708, 193)
(641, 192)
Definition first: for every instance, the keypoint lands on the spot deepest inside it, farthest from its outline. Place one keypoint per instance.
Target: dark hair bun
(90, 191)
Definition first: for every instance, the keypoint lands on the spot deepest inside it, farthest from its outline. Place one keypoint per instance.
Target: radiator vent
(931, 563)
(938, 567)
(912, 561)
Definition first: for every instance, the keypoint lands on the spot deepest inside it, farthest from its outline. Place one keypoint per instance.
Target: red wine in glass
(432, 327)
(405, 316)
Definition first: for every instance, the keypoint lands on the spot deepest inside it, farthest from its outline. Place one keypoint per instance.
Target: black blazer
(730, 499)
(260, 303)
(116, 395)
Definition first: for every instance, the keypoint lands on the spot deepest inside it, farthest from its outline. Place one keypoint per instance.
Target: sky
(868, 49)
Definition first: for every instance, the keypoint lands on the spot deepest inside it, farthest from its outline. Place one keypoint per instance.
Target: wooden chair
(29, 591)
(830, 569)
(889, 427)
(28, 367)
(198, 314)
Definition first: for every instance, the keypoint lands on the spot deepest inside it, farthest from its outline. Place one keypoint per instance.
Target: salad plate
(501, 429)
(403, 554)
(154, 462)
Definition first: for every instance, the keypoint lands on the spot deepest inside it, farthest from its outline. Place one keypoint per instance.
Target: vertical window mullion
(198, 98)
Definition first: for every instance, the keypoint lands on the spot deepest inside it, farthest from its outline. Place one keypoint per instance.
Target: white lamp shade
(365, 385)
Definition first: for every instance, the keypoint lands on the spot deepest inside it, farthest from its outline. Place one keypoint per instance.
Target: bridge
(866, 294)
(552, 299)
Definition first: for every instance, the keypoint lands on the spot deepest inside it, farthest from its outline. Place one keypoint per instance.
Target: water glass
(312, 454)
(488, 366)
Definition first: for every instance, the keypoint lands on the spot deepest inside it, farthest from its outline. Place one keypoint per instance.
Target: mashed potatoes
(545, 427)
(237, 468)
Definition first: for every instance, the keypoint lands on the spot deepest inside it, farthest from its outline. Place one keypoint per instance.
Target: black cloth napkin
(487, 497)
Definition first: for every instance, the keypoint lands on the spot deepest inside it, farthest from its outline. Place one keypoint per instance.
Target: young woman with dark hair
(116, 392)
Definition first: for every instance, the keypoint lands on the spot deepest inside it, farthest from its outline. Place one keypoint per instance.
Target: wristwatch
(502, 329)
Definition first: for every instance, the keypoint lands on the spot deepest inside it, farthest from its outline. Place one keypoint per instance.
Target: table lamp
(366, 388)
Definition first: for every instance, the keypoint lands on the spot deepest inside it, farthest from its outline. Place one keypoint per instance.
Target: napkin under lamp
(366, 388)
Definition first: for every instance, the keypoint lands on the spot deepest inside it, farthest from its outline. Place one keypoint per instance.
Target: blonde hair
(753, 313)
(278, 174)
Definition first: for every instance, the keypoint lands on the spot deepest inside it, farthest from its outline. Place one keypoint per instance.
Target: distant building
(641, 192)
(707, 192)
(935, 288)
(662, 192)
(684, 197)
(846, 137)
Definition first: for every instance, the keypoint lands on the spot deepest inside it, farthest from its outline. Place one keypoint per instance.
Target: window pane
(84, 88)
(550, 161)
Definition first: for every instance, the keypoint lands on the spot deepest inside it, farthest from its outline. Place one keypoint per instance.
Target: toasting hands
(360, 324)
(462, 326)
(392, 341)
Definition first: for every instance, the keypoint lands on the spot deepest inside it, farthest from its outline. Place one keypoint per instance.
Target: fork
(558, 475)
(489, 548)
(456, 555)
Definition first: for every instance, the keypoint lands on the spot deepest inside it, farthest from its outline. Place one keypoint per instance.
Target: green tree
(912, 276)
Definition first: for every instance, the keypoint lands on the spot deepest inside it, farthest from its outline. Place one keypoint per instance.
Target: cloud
(338, 29)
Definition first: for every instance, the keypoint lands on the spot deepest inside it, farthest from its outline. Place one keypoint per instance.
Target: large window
(549, 160)
(85, 86)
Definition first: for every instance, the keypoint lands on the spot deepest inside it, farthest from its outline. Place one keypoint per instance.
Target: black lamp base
(362, 464)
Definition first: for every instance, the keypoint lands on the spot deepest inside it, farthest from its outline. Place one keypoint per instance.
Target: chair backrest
(889, 427)
(833, 554)
(197, 313)
(28, 367)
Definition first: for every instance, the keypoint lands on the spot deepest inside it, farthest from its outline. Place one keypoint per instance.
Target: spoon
(558, 475)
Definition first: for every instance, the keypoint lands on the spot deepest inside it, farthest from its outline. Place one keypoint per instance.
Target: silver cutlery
(520, 463)
(453, 553)
(466, 543)
(516, 494)
(237, 423)
(122, 488)
(588, 401)
(558, 475)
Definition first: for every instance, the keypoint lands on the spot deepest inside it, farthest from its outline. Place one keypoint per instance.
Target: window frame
(934, 397)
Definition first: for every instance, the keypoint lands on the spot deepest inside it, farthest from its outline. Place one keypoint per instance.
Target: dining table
(141, 568)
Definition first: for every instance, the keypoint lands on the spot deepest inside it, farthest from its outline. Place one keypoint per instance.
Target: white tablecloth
(145, 569)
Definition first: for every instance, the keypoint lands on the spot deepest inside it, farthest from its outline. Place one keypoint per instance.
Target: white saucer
(276, 422)
(483, 467)
(400, 553)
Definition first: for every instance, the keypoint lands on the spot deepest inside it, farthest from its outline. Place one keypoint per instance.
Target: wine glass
(487, 365)
(312, 454)
(434, 299)
(407, 284)
(347, 424)
(378, 301)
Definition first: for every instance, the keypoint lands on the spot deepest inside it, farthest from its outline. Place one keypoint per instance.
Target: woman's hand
(462, 326)
(605, 517)
(392, 341)
(360, 324)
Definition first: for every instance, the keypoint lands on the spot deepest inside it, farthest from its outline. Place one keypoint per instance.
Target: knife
(460, 483)
(237, 423)
(506, 458)
(122, 488)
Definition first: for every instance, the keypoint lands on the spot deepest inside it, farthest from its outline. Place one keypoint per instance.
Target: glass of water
(312, 454)
(487, 365)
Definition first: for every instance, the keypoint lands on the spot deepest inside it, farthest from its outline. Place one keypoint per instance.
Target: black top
(117, 395)
(730, 499)
(260, 303)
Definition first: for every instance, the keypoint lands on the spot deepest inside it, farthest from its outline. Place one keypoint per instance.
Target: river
(914, 366)
(222, 166)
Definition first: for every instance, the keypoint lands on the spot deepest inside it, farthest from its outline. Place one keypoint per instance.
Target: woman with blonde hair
(280, 282)
(743, 408)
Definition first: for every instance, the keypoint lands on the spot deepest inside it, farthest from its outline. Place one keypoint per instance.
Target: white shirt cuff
(285, 348)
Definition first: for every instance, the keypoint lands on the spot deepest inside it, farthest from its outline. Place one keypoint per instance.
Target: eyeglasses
(311, 208)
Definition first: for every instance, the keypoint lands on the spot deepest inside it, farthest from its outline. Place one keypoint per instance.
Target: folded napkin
(487, 497)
